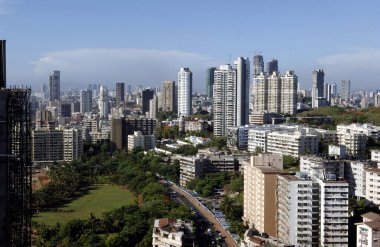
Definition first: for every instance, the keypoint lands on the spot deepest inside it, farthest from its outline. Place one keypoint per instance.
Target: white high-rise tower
(185, 91)
(242, 90)
(103, 102)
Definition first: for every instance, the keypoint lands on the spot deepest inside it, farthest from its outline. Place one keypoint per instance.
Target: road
(206, 214)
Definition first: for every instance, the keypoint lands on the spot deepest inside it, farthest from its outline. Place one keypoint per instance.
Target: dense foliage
(342, 115)
(126, 226)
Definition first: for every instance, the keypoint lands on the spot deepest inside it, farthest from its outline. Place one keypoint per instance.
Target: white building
(192, 167)
(355, 174)
(289, 85)
(333, 211)
(292, 143)
(172, 233)
(372, 189)
(224, 99)
(368, 231)
(103, 102)
(243, 80)
(72, 144)
(355, 143)
(297, 196)
(375, 155)
(146, 142)
(369, 130)
(185, 91)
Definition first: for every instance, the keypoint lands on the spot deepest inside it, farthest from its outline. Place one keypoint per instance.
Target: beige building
(260, 179)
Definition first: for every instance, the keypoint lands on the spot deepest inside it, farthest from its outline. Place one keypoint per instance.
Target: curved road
(205, 213)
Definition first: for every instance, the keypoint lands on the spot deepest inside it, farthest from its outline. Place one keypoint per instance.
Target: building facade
(185, 92)
(120, 93)
(168, 96)
(55, 86)
(210, 81)
(317, 90)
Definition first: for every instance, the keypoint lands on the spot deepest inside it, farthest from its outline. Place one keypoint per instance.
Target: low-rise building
(192, 167)
(375, 155)
(292, 143)
(368, 231)
(172, 233)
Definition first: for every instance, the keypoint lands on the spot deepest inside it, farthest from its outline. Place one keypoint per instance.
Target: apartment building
(297, 210)
(372, 182)
(375, 155)
(172, 233)
(260, 179)
(292, 143)
(72, 144)
(369, 130)
(192, 167)
(145, 142)
(47, 146)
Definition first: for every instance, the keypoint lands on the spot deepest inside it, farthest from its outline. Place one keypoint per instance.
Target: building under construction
(15, 168)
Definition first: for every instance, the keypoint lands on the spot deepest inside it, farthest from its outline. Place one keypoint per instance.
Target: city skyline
(102, 42)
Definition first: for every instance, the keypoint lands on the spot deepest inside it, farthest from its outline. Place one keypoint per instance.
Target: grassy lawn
(100, 198)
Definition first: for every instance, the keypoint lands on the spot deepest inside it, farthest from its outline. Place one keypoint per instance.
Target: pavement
(206, 214)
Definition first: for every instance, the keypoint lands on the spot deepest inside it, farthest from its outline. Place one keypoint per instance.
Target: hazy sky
(146, 42)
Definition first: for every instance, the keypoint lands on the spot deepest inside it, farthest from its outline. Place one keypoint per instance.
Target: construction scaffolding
(15, 168)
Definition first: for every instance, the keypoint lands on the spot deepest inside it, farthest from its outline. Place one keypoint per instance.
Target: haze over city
(146, 42)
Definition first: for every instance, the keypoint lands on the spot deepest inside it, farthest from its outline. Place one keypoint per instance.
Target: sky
(145, 42)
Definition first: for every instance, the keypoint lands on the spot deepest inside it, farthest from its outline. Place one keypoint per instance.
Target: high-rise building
(317, 91)
(129, 89)
(85, 101)
(119, 93)
(15, 167)
(243, 80)
(55, 85)
(260, 179)
(272, 66)
(72, 144)
(210, 81)
(3, 67)
(147, 95)
(260, 92)
(258, 65)
(103, 102)
(345, 89)
(289, 84)
(153, 107)
(185, 92)
(275, 93)
(224, 99)
(168, 96)
(122, 127)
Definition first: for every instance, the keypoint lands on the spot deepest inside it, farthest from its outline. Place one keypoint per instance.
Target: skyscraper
(147, 95)
(272, 66)
(258, 65)
(3, 66)
(210, 81)
(103, 102)
(289, 84)
(119, 93)
(345, 89)
(168, 96)
(85, 101)
(276, 93)
(224, 99)
(243, 81)
(55, 85)
(317, 90)
(185, 92)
